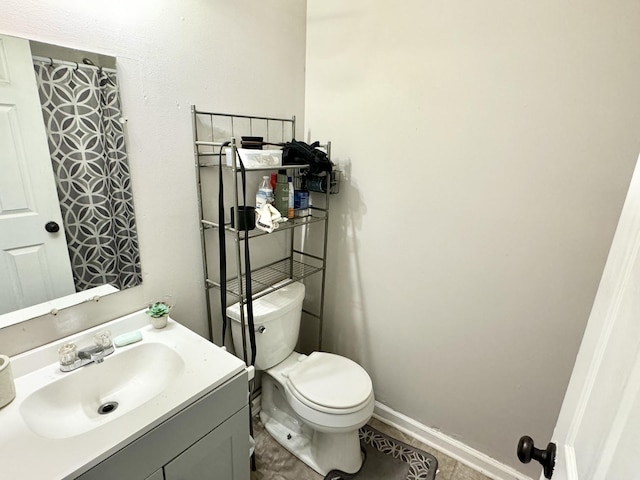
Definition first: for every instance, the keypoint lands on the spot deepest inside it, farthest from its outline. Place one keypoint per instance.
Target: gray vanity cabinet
(209, 439)
(223, 454)
(158, 475)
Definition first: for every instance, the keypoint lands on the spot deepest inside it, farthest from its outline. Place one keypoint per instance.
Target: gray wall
(488, 147)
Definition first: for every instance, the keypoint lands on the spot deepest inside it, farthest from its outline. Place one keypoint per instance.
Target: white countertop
(25, 455)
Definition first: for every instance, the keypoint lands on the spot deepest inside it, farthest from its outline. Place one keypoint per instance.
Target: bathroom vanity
(208, 437)
(181, 410)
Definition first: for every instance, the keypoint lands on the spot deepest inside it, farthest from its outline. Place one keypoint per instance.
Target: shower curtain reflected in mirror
(81, 109)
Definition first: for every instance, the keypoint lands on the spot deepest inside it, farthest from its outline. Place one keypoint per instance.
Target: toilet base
(322, 451)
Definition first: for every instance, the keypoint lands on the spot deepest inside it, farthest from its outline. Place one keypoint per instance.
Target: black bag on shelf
(296, 153)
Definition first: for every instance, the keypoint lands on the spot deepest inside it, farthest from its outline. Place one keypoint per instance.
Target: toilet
(313, 405)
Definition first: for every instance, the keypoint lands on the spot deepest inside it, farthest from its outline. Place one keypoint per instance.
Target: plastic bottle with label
(264, 193)
(301, 203)
(282, 194)
(291, 201)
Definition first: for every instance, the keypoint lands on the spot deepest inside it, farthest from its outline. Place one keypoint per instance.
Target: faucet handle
(103, 339)
(67, 354)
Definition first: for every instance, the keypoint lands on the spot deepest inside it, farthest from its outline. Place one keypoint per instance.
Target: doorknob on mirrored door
(52, 227)
(547, 458)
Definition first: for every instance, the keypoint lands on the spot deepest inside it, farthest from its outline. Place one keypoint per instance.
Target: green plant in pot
(159, 312)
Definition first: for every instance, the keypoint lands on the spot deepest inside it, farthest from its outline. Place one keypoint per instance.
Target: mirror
(67, 225)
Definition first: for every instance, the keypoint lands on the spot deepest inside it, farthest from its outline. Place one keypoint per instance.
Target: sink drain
(108, 407)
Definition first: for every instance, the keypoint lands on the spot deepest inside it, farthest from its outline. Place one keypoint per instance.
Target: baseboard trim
(449, 446)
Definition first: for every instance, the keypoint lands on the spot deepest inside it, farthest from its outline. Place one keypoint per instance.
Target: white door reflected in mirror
(34, 263)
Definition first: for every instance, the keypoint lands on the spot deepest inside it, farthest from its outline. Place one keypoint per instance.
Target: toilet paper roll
(7, 387)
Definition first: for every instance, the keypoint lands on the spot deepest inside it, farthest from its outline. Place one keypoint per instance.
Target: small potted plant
(159, 313)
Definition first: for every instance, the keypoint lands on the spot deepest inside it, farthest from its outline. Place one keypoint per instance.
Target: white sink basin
(121, 383)
(53, 429)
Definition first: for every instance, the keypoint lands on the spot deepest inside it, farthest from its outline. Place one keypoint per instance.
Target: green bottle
(282, 193)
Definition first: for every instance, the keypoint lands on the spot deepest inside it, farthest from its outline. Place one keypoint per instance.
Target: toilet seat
(330, 383)
(318, 417)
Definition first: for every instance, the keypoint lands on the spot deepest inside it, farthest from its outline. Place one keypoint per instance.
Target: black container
(316, 183)
(247, 216)
(254, 143)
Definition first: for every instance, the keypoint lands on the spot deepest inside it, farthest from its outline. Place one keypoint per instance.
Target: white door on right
(34, 262)
(598, 430)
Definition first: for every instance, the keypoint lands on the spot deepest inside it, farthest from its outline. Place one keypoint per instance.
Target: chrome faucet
(95, 354)
(71, 358)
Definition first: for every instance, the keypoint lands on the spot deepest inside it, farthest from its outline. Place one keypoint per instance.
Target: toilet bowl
(312, 405)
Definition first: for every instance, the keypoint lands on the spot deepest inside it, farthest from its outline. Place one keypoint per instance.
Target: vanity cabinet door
(223, 454)
(159, 475)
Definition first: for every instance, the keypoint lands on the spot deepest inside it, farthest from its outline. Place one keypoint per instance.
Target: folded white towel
(268, 218)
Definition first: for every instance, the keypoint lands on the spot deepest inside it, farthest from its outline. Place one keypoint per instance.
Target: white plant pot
(159, 322)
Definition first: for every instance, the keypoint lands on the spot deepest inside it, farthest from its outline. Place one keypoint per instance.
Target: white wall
(488, 147)
(243, 57)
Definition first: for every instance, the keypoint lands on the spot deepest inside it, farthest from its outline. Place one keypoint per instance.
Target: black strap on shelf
(222, 247)
(247, 268)
(223, 259)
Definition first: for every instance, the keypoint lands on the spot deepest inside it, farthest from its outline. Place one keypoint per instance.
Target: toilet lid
(331, 381)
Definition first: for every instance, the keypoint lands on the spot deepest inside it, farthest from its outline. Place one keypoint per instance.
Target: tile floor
(273, 462)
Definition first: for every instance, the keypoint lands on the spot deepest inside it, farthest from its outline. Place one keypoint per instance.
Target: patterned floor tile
(275, 463)
(462, 472)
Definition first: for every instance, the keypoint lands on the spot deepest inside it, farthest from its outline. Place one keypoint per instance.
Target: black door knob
(52, 227)
(547, 458)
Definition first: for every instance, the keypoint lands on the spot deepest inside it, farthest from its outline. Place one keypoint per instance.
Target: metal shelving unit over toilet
(211, 131)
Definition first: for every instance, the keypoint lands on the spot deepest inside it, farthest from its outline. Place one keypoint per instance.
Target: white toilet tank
(279, 313)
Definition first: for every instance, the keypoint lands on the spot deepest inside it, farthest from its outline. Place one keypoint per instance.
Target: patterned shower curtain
(81, 109)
